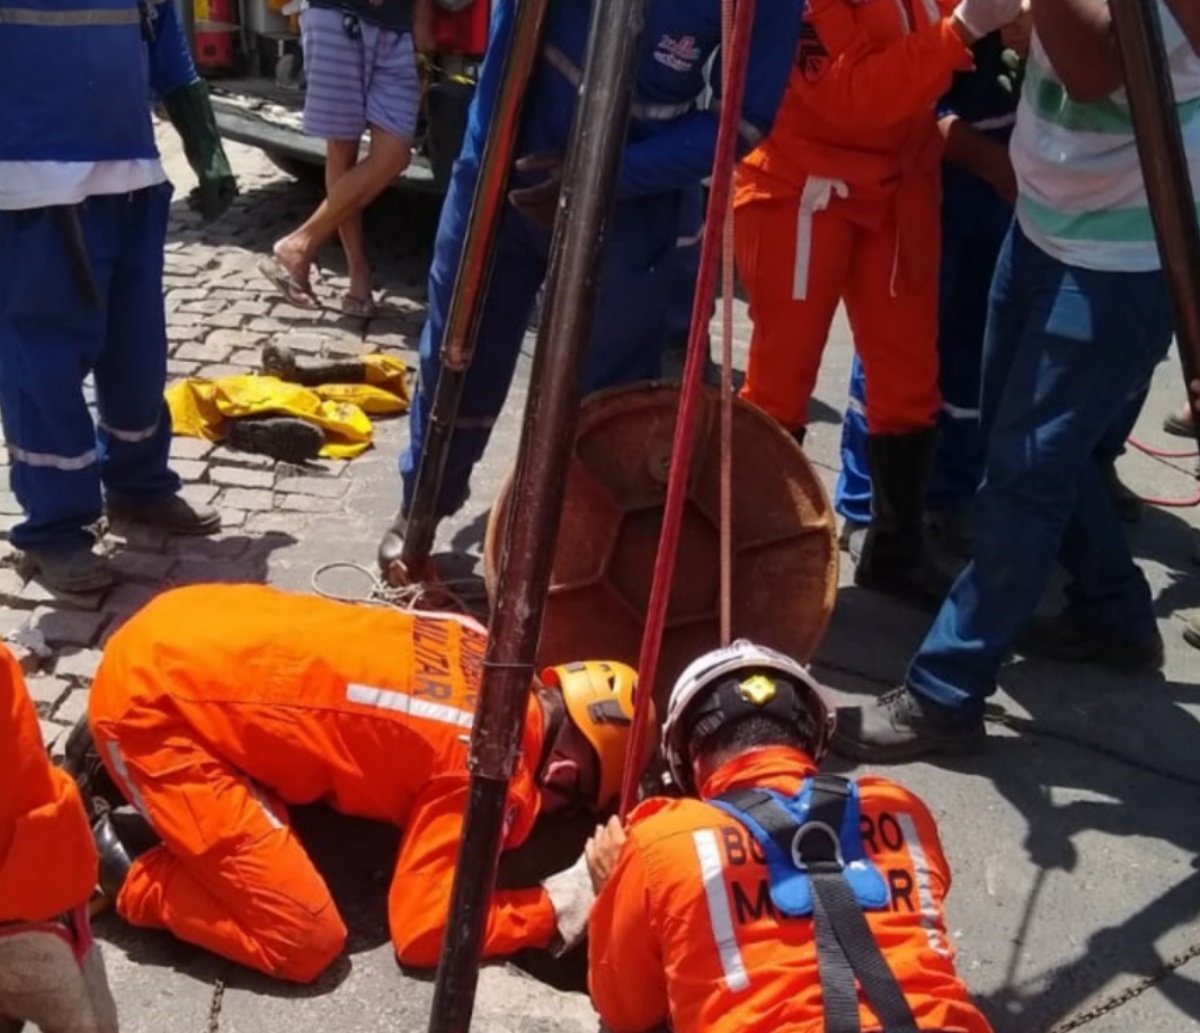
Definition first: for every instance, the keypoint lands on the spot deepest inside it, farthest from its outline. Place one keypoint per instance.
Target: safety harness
(817, 865)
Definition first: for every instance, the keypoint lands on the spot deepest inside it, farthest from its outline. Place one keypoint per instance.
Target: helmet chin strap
(554, 716)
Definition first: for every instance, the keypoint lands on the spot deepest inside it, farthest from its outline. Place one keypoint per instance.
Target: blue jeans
(1066, 350)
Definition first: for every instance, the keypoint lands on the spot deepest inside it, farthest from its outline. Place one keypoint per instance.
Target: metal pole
(543, 458)
(471, 281)
(1164, 168)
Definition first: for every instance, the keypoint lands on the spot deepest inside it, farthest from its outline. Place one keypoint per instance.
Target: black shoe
(895, 560)
(1067, 639)
(953, 527)
(81, 760)
(898, 726)
(287, 439)
(172, 513)
(1126, 501)
(115, 861)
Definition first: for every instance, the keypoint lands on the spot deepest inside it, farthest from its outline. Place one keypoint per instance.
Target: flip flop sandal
(1177, 425)
(297, 293)
(359, 308)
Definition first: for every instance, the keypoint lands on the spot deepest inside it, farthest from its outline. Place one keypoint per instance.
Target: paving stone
(219, 370)
(12, 585)
(308, 503)
(11, 618)
(208, 572)
(189, 448)
(231, 518)
(9, 504)
(241, 477)
(46, 690)
(251, 308)
(198, 494)
(325, 487)
(209, 308)
(309, 343)
(36, 594)
(291, 523)
(202, 353)
(69, 627)
(7, 523)
(132, 565)
(225, 319)
(129, 597)
(178, 318)
(251, 357)
(78, 663)
(221, 547)
(246, 498)
(284, 310)
(266, 325)
(230, 339)
(233, 457)
(180, 368)
(189, 469)
(53, 736)
(182, 294)
(145, 537)
(347, 345)
(184, 332)
(72, 708)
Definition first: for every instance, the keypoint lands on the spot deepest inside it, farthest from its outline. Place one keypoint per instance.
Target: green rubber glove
(191, 113)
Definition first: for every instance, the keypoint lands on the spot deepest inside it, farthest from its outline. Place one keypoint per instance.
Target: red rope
(735, 61)
(1163, 453)
(725, 528)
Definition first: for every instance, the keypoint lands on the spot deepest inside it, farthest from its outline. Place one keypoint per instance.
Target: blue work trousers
(1066, 354)
(52, 335)
(627, 338)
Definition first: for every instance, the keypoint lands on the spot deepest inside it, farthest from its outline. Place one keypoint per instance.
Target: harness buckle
(820, 857)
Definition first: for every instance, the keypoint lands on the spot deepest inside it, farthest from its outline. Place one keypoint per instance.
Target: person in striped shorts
(1080, 315)
(361, 71)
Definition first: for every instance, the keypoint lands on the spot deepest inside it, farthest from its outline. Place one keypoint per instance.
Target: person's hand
(539, 201)
(602, 851)
(1016, 35)
(423, 33)
(974, 19)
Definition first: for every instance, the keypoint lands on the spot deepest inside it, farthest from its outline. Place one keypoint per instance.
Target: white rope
(417, 596)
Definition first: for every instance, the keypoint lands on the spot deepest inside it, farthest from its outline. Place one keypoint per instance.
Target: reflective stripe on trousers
(815, 197)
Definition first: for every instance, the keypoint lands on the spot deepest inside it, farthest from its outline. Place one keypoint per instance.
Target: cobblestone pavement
(1075, 870)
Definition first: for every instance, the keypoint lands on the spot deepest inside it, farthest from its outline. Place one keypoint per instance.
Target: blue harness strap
(817, 864)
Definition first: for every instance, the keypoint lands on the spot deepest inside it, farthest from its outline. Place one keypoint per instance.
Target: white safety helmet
(795, 696)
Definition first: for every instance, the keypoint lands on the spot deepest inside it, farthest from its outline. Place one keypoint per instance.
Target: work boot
(1191, 628)
(81, 760)
(899, 726)
(287, 439)
(115, 860)
(895, 560)
(278, 360)
(1126, 501)
(1064, 637)
(172, 513)
(77, 568)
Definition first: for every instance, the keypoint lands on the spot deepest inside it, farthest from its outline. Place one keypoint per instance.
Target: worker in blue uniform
(978, 190)
(669, 150)
(83, 216)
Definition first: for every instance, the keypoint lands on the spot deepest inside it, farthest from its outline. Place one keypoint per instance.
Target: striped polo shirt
(1081, 197)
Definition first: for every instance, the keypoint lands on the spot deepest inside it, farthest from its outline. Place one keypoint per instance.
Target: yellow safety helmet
(599, 699)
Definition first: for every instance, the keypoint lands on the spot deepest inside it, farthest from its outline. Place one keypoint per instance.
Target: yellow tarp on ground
(200, 408)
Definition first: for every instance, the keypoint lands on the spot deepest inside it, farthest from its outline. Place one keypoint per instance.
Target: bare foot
(292, 257)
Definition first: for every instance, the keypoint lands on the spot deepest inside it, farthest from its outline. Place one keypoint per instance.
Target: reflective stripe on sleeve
(929, 910)
(54, 462)
(122, 772)
(640, 110)
(403, 703)
(719, 917)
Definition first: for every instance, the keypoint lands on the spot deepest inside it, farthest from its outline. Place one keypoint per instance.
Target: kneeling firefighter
(217, 705)
(776, 897)
(51, 973)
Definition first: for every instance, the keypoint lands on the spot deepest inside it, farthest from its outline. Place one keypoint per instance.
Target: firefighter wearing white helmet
(773, 896)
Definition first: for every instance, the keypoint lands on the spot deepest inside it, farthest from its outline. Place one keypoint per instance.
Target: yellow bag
(200, 408)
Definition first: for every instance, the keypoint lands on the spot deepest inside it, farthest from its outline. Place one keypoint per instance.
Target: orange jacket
(367, 709)
(860, 105)
(47, 858)
(685, 930)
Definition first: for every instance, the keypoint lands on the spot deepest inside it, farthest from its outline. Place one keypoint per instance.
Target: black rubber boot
(278, 360)
(285, 438)
(115, 861)
(82, 762)
(894, 559)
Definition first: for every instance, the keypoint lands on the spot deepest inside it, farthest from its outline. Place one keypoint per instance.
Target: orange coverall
(841, 203)
(47, 860)
(218, 704)
(685, 929)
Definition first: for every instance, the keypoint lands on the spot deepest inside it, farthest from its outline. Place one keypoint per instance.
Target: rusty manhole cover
(785, 550)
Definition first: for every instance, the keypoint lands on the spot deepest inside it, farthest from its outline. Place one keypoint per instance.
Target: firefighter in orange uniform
(51, 974)
(841, 204)
(757, 905)
(217, 705)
